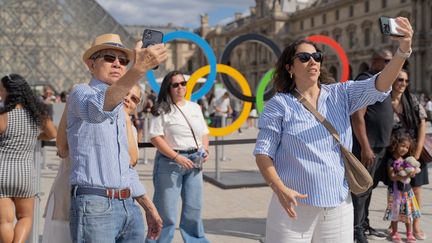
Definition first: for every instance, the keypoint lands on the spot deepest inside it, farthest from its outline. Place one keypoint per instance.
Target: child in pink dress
(402, 205)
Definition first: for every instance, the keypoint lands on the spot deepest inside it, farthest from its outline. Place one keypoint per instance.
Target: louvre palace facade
(44, 40)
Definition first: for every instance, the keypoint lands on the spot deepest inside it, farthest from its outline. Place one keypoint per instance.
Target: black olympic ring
(226, 56)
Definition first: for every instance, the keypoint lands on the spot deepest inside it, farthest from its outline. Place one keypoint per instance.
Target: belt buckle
(126, 192)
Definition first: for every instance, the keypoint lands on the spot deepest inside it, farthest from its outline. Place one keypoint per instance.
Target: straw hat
(107, 41)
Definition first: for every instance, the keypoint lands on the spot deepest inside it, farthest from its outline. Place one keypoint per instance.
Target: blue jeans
(171, 182)
(101, 219)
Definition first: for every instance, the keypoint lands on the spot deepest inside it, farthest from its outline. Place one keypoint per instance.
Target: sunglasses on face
(403, 80)
(111, 58)
(305, 56)
(175, 85)
(134, 98)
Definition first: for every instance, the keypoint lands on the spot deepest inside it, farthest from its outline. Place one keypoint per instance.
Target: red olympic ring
(343, 58)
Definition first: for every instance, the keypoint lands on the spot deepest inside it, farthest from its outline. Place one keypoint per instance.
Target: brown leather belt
(104, 192)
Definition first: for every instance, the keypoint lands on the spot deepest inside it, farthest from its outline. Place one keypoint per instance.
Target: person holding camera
(299, 158)
(179, 132)
(104, 184)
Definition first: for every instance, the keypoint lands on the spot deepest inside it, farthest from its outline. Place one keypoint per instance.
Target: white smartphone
(388, 27)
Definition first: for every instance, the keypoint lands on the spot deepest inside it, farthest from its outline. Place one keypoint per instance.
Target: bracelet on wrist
(175, 156)
(402, 54)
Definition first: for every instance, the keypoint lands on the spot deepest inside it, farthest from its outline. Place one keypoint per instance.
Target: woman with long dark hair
(410, 116)
(180, 134)
(297, 155)
(23, 120)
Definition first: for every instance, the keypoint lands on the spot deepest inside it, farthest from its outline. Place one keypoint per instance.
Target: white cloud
(231, 18)
(161, 12)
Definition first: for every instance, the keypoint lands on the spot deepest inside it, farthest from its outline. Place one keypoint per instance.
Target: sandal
(396, 237)
(420, 235)
(411, 238)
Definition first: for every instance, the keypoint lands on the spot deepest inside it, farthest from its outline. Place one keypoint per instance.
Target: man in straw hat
(104, 186)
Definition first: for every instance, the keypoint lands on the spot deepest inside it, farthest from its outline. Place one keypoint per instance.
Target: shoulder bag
(359, 179)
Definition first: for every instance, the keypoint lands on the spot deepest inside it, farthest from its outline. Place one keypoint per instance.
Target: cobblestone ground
(235, 215)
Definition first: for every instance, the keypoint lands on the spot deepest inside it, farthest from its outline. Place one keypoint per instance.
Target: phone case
(384, 25)
(151, 37)
(387, 28)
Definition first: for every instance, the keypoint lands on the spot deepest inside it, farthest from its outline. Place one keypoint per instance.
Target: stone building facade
(353, 23)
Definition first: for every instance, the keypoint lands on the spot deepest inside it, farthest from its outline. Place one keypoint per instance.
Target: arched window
(367, 32)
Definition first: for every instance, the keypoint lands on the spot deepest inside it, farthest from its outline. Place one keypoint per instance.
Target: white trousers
(313, 224)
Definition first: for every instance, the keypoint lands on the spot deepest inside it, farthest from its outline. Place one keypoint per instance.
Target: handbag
(426, 154)
(197, 156)
(359, 179)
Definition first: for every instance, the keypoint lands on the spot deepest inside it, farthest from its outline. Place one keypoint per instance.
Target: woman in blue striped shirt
(296, 154)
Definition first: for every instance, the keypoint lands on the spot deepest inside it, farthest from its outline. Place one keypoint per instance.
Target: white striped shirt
(98, 144)
(305, 155)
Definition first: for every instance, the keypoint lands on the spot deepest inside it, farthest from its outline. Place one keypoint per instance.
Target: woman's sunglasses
(305, 56)
(175, 85)
(403, 80)
(135, 99)
(111, 58)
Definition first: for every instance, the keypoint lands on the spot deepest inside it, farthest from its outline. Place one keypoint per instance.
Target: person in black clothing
(372, 128)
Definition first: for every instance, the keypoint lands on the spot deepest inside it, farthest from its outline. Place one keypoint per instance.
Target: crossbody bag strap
(190, 127)
(320, 118)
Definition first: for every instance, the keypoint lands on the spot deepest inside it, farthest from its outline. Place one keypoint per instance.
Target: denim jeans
(171, 181)
(101, 219)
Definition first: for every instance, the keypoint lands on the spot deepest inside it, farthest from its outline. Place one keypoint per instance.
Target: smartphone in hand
(151, 37)
(388, 27)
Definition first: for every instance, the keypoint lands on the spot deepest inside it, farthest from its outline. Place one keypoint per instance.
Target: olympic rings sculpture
(246, 94)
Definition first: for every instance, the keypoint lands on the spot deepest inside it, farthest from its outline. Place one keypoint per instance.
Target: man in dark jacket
(372, 129)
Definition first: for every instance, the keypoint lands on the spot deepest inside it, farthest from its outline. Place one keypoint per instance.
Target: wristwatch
(402, 54)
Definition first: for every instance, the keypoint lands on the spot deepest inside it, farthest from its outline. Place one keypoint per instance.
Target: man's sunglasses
(175, 85)
(305, 56)
(111, 58)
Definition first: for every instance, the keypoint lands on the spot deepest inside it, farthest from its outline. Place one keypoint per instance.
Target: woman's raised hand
(404, 28)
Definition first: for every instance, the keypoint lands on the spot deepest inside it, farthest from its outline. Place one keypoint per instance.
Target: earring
(291, 75)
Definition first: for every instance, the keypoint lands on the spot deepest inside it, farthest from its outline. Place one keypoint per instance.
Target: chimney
(204, 20)
(252, 10)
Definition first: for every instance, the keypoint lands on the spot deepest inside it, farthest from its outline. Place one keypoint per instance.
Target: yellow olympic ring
(244, 85)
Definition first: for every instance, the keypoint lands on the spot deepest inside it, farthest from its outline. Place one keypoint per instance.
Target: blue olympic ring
(208, 51)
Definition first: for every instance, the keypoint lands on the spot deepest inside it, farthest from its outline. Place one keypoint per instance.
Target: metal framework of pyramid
(43, 40)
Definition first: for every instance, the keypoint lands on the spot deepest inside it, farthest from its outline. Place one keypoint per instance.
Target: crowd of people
(96, 193)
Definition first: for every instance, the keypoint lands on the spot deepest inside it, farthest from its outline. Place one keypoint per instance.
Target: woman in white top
(179, 132)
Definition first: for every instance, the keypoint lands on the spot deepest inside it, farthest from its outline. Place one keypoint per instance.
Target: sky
(185, 13)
